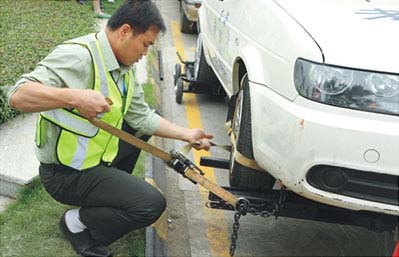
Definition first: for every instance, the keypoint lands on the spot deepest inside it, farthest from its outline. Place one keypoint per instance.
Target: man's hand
(90, 103)
(36, 97)
(199, 139)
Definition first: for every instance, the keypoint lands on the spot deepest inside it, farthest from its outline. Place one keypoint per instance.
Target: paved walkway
(19, 165)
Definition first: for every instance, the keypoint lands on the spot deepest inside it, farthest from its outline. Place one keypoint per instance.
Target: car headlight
(349, 88)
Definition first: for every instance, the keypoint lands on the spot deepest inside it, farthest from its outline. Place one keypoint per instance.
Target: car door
(212, 23)
(229, 36)
(220, 26)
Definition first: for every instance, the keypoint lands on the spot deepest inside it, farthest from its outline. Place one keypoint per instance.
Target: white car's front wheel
(241, 176)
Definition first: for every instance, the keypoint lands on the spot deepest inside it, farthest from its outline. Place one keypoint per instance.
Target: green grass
(29, 29)
(29, 226)
(111, 7)
(149, 87)
(6, 113)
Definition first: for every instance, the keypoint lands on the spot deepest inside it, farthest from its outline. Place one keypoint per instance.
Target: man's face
(134, 46)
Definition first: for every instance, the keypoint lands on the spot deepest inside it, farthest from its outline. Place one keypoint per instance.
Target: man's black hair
(139, 14)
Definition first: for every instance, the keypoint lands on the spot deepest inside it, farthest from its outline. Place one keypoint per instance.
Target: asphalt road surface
(194, 230)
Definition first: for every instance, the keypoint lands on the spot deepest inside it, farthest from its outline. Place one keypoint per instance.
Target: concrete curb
(155, 170)
(19, 164)
(155, 245)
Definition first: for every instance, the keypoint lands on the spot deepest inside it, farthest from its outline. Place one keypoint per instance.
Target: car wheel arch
(253, 59)
(239, 70)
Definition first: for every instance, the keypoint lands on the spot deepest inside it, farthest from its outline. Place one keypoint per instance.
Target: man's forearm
(170, 130)
(36, 97)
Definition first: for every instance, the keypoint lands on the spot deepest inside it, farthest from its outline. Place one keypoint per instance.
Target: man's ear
(125, 31)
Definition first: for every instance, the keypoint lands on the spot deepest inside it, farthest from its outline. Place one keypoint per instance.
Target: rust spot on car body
(302, 123)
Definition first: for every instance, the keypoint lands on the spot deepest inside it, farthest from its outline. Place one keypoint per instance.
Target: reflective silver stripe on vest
(80, 153)
(83, 142)
(71, 122)
(101, 71)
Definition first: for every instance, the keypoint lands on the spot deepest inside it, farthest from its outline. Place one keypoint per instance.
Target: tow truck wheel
(241, 176)
(177, 73)
(179, 90)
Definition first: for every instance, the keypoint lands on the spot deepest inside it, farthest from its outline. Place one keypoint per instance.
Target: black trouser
(112, 201)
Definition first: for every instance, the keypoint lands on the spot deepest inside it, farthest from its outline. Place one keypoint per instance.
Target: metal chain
(243, 207)
(234, 236)
(236, 224)
(263, 214)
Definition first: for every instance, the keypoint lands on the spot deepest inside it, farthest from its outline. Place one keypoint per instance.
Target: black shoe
(82, 242)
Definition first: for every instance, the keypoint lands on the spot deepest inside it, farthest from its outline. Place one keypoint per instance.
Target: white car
(314, 89)
(189, 15)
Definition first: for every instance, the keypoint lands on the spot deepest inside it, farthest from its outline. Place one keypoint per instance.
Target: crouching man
(84, 166)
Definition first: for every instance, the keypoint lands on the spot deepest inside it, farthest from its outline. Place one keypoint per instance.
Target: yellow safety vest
(80, 144)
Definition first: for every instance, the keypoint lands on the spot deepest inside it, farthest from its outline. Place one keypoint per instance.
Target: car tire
(202, 71)
(241, 176)
(179, 90)
(186, 26)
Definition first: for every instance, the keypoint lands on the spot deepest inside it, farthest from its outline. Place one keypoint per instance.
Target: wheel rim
(237, 115)
(197, 57)
(236, 123)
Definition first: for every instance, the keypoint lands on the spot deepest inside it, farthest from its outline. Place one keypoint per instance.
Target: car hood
(358, 33)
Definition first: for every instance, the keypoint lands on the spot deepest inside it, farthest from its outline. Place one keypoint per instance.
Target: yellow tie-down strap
(238, 157)
(246, 162)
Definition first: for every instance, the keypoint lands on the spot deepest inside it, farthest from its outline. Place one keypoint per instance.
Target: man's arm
(142, 118)
(36, 97)
(170, 130)
(59, 81)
